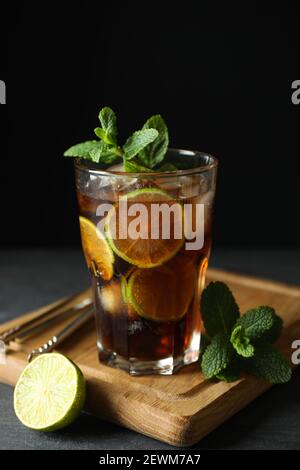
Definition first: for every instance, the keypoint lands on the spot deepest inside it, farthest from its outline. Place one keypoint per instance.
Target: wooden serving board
(179, 409)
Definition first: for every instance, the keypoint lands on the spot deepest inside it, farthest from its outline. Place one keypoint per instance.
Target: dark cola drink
(146, 240)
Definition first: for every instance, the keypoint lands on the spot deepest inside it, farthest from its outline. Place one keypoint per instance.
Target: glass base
(134, 366)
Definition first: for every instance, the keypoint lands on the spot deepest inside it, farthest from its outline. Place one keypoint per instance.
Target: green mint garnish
(205, 341)
(269, 364)
(217, 355)
(81, 150)
(232, 372)
(257, 321)
(240, 343)
(138, 141)
(94, 150)
(143, 151)
(261, 322)
(218, 308)
(154, 153)
(271, 335)
(108, 121)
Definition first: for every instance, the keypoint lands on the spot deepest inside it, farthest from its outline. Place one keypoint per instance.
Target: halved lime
(144, 251)
(50, 393)
(97, 251)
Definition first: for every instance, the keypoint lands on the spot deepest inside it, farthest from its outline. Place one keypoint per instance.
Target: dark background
(221, 79)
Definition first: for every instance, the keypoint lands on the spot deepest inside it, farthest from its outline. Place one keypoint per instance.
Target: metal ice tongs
(84, 310)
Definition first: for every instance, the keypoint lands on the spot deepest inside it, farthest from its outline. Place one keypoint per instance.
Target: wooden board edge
(220, 410)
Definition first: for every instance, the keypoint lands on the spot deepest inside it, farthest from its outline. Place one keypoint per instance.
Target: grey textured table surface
(30, 279)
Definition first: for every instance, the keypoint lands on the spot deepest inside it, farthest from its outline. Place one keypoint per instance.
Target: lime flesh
(50, 393)
(143, 251)
(96, 250)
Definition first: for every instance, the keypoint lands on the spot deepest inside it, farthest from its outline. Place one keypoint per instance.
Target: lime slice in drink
(97, 251)
(144, 250)
(163, 293)
(50, 393)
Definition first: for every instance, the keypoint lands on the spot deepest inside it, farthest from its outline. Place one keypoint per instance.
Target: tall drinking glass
(146, 238)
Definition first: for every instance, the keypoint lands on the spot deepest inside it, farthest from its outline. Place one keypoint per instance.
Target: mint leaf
(219, 309)
(138, 141)
(269, 364)
(132, 166)
(108, 122)
(108, 151)
(232, 337)
(81, 150)
(216, 356)
(274, 332)
(241, 342)
(103, 153)
(155, 152)
(257, 321)
(232, 372)
(108, 132)
(205, 341)
(92, 150)
(106, 137)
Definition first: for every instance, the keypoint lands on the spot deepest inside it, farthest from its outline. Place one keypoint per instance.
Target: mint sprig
(258, 323)
(143, 151)
(138, 141)
(217, 355)
(108, 121)
(217, 298)
(269, 364)
(237, 343)
(241, 342)
(154, 153)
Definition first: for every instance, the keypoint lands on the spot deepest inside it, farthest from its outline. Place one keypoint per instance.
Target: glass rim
(213, 163)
